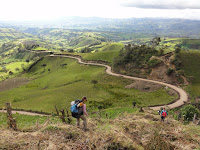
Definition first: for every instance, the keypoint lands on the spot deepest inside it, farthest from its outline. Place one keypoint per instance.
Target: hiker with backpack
(163, 114)
(78, 110)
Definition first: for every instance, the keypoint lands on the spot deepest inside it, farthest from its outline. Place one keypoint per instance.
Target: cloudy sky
(47, 9)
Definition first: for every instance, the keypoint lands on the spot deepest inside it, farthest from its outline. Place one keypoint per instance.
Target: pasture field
(191, 44)
(56, 85)
(103, 55)
(190, 61)
(40, 48)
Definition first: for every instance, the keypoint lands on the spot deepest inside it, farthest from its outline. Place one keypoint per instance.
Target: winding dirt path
(183, 97)
(24, 113)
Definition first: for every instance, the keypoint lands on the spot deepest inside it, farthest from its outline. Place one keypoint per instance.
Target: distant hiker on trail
(158, 112)
(163, 114)
(78, 110)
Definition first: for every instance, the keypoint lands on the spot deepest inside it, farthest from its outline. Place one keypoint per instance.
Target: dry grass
(132, 131)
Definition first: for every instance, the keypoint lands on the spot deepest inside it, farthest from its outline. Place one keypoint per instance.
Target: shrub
(135, 56)
(177, 50)
(170, 71)
(153, 63)
(188, 112)
(177, 62)
(86, 50)
(157, 142)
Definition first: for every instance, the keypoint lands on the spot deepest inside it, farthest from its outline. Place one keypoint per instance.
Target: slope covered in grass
(53, 84)
(102, 55)
(190, 62)
(9, 34)
(113, 46)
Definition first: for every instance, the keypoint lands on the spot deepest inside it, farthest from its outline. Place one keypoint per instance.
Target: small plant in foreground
(188, 112)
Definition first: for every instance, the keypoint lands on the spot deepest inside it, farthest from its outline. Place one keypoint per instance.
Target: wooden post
(37, 124)
(10, 120)
(62, 115)
(141, 109)
(179, 115)
(106, 116)
(198, 122)
(57, 110)
(194, 118)
(68, 117)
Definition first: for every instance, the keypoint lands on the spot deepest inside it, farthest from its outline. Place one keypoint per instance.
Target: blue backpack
(74, 109)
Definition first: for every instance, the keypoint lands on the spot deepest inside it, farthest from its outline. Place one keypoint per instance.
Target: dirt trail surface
(183, 97)
(24, 113)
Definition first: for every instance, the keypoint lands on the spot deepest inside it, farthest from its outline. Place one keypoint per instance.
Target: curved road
(24, 113)
(183, 97)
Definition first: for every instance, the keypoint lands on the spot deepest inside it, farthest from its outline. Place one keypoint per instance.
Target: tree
(16, 69)
(10, 73)
(177, 50)
(70, 50)
(44, 65)
(22, 66)
(155, 41)
(94, 82)
(86, 50)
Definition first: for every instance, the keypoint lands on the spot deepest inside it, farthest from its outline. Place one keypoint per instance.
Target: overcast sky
(47, 9)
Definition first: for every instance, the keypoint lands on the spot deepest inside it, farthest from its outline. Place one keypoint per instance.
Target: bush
(177, 50)
(177, 62)
(86, 50)
(188, 112)
(153, 63)
(157, 142)
(170, 71)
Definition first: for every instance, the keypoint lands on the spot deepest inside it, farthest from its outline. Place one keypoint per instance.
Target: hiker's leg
(83, 117)
(78, 122)
(162, 118)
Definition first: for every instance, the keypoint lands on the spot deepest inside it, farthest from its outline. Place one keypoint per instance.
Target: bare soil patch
(144, 86)
(13, 83)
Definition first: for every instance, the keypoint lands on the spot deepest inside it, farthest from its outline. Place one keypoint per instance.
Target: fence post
(10, 120)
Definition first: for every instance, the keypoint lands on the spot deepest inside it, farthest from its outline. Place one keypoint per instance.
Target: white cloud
(48, 9)
(162, 4)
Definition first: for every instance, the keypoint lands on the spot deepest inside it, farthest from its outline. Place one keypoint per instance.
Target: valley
(129, 69)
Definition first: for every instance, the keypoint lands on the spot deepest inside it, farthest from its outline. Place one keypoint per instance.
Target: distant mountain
(145, 26)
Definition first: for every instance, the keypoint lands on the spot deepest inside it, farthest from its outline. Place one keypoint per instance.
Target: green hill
(190, 62)
(113, 46)
(56, 85)
(9, 34)
(102, 55)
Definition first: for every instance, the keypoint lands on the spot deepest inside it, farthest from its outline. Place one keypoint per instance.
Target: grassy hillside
(106, 53)
(9, 34)
(191, 43)
(11, 59)
(190, 62)
(56, 85)
(67, 39)
(102, 55)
